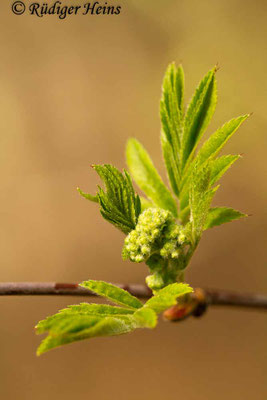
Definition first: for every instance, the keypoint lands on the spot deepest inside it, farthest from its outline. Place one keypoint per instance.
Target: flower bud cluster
(155, 233)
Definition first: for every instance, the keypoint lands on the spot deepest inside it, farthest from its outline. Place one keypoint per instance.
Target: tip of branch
(195, 305)
(217, 67)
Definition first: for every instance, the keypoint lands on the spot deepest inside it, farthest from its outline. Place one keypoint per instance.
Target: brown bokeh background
(72, 92)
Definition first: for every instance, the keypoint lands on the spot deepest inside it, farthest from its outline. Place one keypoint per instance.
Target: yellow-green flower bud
(156, 232)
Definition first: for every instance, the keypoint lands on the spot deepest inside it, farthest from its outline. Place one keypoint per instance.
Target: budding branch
(193, 304)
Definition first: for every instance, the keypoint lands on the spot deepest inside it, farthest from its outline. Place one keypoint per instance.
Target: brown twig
(194, 304)
(62, 289)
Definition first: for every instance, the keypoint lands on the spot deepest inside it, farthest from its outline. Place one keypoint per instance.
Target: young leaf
(220, 215)
(113, 293)
(200, 196)
(218, 168)
(170, 163)
(119, 205)
(210, 150)
(88, 196)
(175, 289)
(70, 325)
(73, 328)
(93, 310)
(215, 143)
(199, 113)
(86, 321)
(171, 113)
(147, 177)
(173, 89)
(97, 309)
(166, 297)
(52, 321)
(145, 318)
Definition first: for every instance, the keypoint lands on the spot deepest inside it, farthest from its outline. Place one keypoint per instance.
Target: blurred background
(72, 92)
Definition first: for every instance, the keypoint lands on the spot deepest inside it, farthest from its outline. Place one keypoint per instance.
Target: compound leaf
(72, 328)
(119, 204)
(84, 321)
(68, 327)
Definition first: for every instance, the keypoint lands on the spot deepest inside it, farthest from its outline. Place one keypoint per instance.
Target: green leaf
(51, 322)
(145, 318)
(88, 196)
(97, 310)
(173, 89)
(217, 140)
(199, 113)
(220, 166)
(171, 113)
(119, 205)
(209, 150)
(84, 321)
(78, 327)
(147, 177)
(160, 304)
(200, 197)
(175, 289)
(170, 163)
(221, 215)
(166, 297)
(113, 293)
(68, 326)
